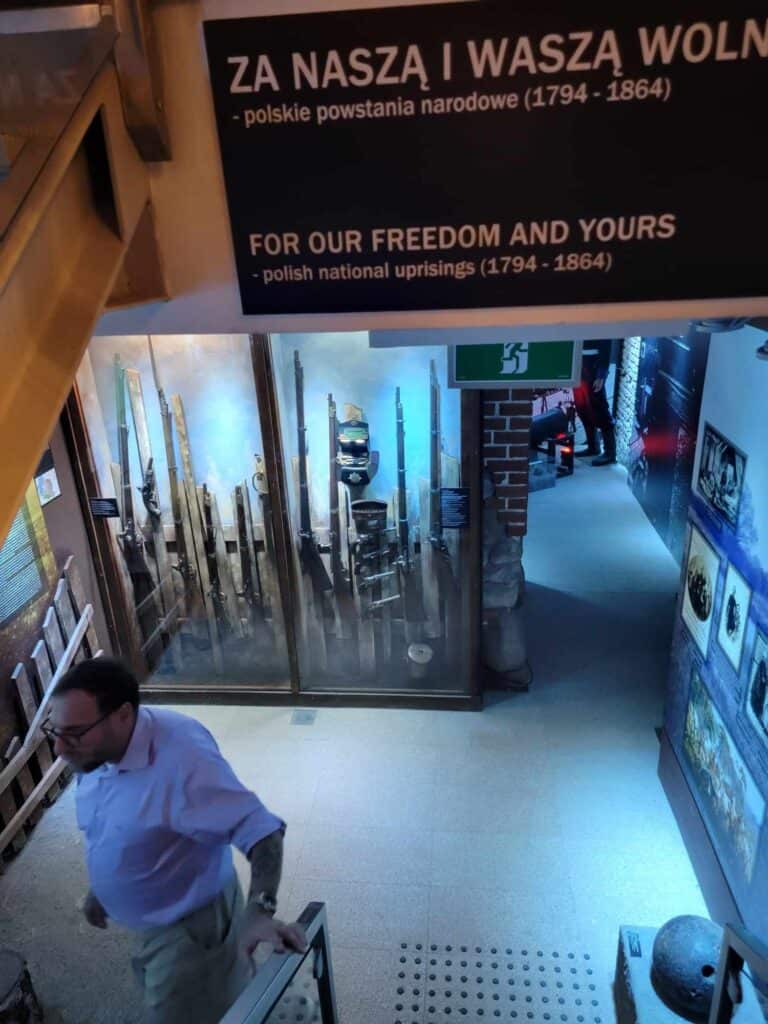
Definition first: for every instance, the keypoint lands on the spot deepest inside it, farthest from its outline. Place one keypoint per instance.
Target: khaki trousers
(189, 971)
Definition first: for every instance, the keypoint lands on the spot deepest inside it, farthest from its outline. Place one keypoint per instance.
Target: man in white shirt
(160, 809)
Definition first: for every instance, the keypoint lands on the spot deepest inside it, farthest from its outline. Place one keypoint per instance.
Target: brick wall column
(506, 434)
(626, 380)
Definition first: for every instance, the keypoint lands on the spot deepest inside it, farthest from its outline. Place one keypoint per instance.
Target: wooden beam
(23, 782)
(20, 759)
(31, 804)
(77, 595)
(137, 55)
(52, 635)
(141, 278)
(29, 709)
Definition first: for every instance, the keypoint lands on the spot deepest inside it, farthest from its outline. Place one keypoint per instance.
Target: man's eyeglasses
(72, 736)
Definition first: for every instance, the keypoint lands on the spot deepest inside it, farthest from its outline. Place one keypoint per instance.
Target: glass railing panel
(294, 988)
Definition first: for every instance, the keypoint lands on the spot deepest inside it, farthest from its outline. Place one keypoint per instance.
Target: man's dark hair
(108, 680)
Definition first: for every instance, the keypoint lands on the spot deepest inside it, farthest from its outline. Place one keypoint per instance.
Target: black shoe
(608, 458)
(586, 453)
(604, 460)
(518, 680)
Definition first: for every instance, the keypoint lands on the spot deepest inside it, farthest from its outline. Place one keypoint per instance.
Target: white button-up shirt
(159, 826)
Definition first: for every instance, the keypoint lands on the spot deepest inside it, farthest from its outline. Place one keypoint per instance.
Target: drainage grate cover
(303, 716)
(479, 985)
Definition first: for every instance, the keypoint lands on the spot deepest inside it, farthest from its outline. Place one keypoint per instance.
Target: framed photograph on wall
(757, 691)
(46, 480)
(733, 616)
(722, 470)
(701, 573)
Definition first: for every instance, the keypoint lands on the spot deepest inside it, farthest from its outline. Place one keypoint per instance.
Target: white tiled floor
(538, 821)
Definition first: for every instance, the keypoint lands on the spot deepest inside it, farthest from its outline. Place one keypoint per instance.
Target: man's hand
(598, 385)
(258, 927)
(94, 913)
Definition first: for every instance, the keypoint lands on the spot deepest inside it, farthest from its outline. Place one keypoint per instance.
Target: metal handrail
(738, 947)
(268, 987)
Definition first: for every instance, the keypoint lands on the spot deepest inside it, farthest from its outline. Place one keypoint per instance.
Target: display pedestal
(635, 996)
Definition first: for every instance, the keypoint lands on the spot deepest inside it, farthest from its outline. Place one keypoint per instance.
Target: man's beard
(86, 767)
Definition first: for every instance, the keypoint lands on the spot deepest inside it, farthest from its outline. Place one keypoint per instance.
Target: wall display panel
(662, 440)
(371, 438)
(731, 801)
(175, 437)
(716, 702)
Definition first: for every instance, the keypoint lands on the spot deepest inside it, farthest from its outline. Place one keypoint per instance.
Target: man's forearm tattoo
(266, 859)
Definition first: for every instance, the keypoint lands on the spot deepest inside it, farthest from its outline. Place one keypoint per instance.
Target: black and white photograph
(757, 693)
(733, 616)
(46, 480)
(721, 475)
(701, 573)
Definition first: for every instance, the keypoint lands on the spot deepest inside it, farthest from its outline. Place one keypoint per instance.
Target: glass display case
(175, 438)
(371, 442)
(276, 512)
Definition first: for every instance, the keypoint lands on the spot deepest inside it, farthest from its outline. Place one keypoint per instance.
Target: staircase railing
(293, 986)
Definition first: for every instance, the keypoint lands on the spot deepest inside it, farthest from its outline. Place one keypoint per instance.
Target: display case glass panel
(174, 432)
(371, 442)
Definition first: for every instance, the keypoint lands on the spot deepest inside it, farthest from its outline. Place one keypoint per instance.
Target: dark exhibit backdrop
(717, 706)
(663, 442)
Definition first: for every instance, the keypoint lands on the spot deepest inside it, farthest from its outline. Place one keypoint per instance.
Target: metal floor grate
(479, 985)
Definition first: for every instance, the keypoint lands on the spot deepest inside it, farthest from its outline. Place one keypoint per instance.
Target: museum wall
(717, 706)
(67, 532)
(657, 430)
(28, 579)
(506, 439)
(47, 529)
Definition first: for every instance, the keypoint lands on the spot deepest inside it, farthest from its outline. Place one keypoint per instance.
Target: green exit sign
(539, 364)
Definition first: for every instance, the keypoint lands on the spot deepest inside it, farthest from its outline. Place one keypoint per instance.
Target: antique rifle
(342, 584)
(130, 536)
(309, 554)
(183, 562)
(251, 592)
(413, 611)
